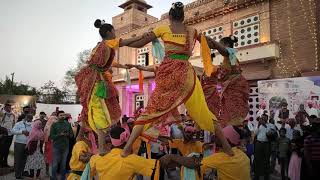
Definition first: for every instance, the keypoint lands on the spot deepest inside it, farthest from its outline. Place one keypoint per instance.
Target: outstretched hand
(129, 66)
(165, 140)
(166, 160)
(125, 153)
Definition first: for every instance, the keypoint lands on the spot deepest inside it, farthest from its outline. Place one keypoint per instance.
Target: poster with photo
(294, 91)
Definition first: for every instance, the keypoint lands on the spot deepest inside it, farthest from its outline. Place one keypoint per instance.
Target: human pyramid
(210, 109)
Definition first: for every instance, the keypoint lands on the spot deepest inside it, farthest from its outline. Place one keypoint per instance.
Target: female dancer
(231, 102)
(176, 81)
(98, 95)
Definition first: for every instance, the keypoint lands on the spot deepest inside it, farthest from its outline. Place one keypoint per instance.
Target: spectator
(42, 118)
(294, 170)
(48, 142)
(262, 109)
(261, 164)
(282, 115)
(176, 132)
(302, 116)
(311, 150)
(60, 133)
(284, 144)
(311, 110)
(247, 137)
(7, 120)
(35, 161)
(292, 127)
(273, 138)
(21, 130)
(76, 129)
(72, 141)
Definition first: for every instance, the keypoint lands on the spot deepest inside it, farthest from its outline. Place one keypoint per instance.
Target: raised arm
(126, 42)
(188, 162)
(145, 39)
(218, 46)
(117, 65)
(142, 68)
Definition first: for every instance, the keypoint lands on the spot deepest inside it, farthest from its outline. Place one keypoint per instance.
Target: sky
(40, 39)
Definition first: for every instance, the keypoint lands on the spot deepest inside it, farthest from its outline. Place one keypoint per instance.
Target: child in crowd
(283, 150)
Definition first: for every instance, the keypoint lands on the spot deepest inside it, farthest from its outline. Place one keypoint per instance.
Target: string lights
(291, 41)
(287, 63)
(279, 62)
(314, 26)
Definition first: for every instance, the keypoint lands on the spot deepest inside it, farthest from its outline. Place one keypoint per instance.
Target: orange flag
(141, 81)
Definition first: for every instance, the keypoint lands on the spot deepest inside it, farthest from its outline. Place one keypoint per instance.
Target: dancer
(113, 166)
(81, 153)
(188, 144)
(232, 168)
(176, 81)
(231, 103)
(98, 95)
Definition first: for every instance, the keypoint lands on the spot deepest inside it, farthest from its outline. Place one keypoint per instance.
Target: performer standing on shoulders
(98, 95)
(176, 81)
(231, 104)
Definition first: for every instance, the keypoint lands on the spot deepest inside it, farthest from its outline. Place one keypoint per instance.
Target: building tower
(134, 16)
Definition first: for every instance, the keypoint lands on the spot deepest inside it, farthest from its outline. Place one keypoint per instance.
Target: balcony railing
(248, 54)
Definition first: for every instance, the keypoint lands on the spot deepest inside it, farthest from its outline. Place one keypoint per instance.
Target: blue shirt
(17, 130)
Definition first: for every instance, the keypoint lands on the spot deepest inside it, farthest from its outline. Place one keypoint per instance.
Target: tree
(50, 94)
(18, 88)
(70, 74)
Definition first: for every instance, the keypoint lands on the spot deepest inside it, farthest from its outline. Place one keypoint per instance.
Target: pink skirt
(294, 167)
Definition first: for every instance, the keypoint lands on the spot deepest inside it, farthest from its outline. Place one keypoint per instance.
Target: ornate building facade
(277, 39)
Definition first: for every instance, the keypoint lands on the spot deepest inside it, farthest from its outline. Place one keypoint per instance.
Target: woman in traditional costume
(98, 95)
(230, 102)
(176, 81)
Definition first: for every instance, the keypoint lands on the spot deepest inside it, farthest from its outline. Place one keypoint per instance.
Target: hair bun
(234, 39)
(177, 5)
(98, 23)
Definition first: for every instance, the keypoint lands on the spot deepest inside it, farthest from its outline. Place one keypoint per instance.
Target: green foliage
(51, 94)
(70, 74)
(6, 87)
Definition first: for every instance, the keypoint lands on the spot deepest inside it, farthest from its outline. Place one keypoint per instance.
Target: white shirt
(289, 133)
(7, 121)
(279, 126)
(260, 112)
(155, 147)
(176, 132)
(312, 111)
(17, 130)
(253, 125)
(262, 132)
